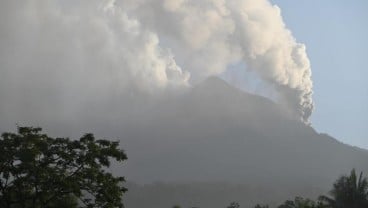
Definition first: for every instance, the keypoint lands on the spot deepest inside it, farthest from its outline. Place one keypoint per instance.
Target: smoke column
(74, 50)
(207, 36)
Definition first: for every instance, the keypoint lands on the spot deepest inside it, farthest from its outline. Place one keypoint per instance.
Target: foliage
(348, 191)
(39, 171)
(261, 206)
(233, 205)
(300, 202)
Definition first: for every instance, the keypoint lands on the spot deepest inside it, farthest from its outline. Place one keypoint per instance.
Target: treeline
(38, 171)
(349, 191)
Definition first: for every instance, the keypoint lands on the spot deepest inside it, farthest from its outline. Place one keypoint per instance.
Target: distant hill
(224, 144)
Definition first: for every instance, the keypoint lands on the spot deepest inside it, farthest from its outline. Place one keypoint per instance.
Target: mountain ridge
(199, 116)
(217, 133)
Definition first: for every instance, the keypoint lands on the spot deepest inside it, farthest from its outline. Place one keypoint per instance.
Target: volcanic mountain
(215, 144)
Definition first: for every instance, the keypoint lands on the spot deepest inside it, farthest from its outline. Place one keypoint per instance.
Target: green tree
(39, 171)
(348, 192)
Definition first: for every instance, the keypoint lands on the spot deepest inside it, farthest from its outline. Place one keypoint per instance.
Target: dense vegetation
(39, 171)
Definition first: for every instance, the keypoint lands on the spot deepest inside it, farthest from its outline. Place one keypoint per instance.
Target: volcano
(215, 144)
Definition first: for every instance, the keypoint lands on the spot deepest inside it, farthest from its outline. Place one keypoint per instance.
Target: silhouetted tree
(348, 192)
(261, 206)
(300, 202)
(39, 171)
(233, 205)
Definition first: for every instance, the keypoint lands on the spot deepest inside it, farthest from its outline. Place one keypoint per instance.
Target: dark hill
(216, 134)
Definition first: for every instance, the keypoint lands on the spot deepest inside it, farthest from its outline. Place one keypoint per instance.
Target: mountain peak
(215, 86)
(213, 83)
(219, 87)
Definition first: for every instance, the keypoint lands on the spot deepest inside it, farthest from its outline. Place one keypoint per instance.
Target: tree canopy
(348, 191)
(300, 202)
(233, 205)
(39, 171)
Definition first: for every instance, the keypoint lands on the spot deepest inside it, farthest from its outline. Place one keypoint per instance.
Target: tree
(261, 206)
(233, 205)
(39, 171)
(348, 191)
(300, 202)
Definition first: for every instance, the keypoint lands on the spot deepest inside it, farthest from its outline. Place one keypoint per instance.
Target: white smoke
(209, 35)
(82, 49)
(58, 58)
(93, 41)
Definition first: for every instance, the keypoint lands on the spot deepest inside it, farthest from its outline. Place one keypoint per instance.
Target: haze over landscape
(211, 99)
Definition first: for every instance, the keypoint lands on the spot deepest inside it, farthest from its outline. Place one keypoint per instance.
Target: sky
(335, 34)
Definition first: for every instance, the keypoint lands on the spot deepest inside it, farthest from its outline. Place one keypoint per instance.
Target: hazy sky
(335, 33)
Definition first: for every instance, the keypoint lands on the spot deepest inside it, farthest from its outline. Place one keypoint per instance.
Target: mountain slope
(216, 133)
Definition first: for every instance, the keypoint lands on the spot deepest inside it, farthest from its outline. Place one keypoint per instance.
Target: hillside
(216, 134)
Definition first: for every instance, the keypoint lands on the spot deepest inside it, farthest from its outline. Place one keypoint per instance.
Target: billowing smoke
(65, 53)
(58, 58)
(207, 36)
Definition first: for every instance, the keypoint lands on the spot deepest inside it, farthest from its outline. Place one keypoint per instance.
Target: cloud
(67, 55)
(208, 36)
(63, 55)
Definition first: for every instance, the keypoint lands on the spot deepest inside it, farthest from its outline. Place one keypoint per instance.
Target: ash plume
(207, 36)
(67, 53)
